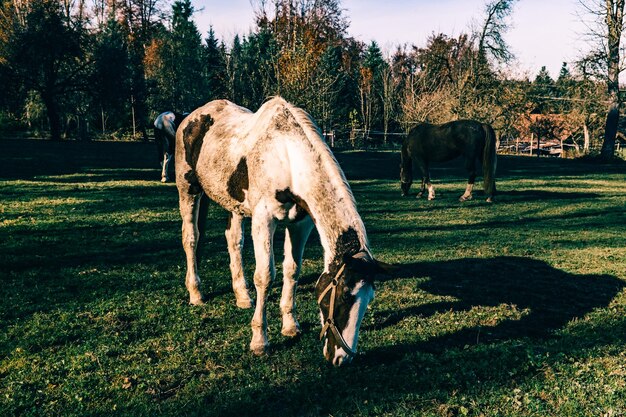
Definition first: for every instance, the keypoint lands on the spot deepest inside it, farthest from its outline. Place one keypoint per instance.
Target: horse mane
(316, 140)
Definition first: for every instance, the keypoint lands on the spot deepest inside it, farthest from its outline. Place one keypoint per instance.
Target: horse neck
(331, 204)
(319, 183)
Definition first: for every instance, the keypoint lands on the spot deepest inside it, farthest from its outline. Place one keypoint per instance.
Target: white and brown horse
(274, 166)
(165, 126)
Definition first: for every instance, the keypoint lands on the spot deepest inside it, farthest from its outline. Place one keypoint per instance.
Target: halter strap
(330, 320)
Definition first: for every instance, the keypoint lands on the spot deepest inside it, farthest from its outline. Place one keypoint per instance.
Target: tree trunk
(539, 143)
(587, 139)
(614, 21)
(610, 131)
(53, 116)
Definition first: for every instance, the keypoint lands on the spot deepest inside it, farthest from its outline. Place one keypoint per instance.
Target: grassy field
(512, 309)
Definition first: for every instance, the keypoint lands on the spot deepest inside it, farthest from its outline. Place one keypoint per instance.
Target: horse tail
(489, 161)
(406, 167)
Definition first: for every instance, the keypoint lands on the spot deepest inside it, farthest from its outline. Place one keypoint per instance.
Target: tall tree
(233, 68)
(607, 35)
(302, 31)
(45, 52)
(490, 37)
(110, 76)
(175, 64)
(564, 88)
(373, 66)
(216, 76)
(615, 24)
(543, 91)
(257, 77)
(143, 22)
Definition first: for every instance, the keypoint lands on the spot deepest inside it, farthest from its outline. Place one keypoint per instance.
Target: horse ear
(385, 270)
(371, 267)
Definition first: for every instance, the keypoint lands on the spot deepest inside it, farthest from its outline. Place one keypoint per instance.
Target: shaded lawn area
(515, 308)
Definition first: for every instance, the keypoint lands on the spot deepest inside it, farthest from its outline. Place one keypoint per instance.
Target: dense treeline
(77, 69)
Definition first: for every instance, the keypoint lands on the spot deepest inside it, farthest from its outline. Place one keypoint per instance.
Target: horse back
(211, 154)
(440, 143)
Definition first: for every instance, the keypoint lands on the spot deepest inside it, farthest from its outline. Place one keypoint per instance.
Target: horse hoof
(163, 179)
(196, 301)
(259, 350)
(463, 198)
(291, 331)
(490, 200)
(244, 304)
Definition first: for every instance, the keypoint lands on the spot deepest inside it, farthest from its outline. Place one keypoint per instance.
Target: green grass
(512, 309)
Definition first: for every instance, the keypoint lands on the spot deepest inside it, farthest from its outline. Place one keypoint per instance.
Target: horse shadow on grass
(443, 365)
(551, 298)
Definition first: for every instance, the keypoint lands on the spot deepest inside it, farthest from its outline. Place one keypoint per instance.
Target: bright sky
(544, 32)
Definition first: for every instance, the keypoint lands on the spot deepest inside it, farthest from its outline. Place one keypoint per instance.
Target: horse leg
(431, 191)
(406, 171)
(165, 175)
(423, 168)
(470, 165)
(189, 208)
(263, 227)
(422, 188)
(467, 195)
(426, 181)
(234, 240)
(296, 236)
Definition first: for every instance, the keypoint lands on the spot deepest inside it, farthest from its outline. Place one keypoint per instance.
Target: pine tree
(257, 75)
(234, 72)
(216, 76)
(186, 55)
(564, 89)
(542, 91)
(45, 53)
(110, 77)
(174, 64)
(372, 66)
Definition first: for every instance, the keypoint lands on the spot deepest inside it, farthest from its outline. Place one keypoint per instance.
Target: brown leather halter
(330, 319)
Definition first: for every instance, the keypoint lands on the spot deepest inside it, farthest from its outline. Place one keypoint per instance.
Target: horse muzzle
(336, 355)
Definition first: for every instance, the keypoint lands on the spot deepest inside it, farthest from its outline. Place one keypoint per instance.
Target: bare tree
(605, 31)
(490, 39)
(388, 98)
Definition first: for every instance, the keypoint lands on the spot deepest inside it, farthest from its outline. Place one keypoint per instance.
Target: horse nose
(340, 360)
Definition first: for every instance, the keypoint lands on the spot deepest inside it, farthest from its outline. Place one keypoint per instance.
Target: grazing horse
(274, 166)
(428, 143)
(165, 137)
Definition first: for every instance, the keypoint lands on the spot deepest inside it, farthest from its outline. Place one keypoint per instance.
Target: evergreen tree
(564, 89)
(233, 69)
(45, 53)
(330, 84)
(257, 76)
(372, 66)
(185, 55)
(110, 77)
(542, 92)
(175, 66)
(216, 75)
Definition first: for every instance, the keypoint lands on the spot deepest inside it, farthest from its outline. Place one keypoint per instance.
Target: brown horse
(274, 166)
(428, 143)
